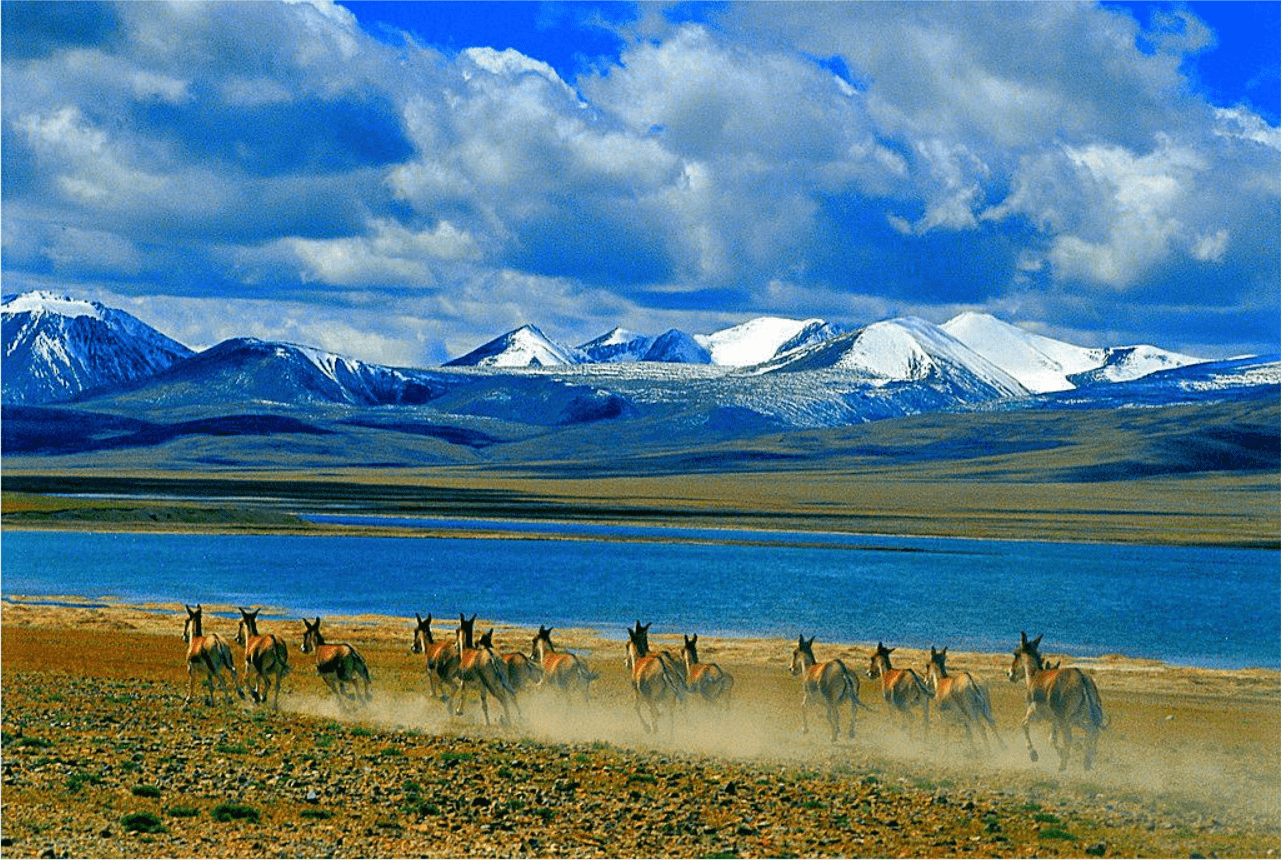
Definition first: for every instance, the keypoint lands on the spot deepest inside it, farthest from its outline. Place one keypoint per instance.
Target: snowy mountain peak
(617, 345)
(755, 341)
(522, 347)
(56, 348)
(1043, 364)
(42, 301)
(907, 349)
(677, 347)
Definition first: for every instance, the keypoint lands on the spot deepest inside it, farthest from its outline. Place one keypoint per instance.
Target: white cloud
(392, 254)
(939, 154)
(1211, 248)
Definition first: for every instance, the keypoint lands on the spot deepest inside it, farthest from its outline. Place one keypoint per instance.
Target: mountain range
(73, 370)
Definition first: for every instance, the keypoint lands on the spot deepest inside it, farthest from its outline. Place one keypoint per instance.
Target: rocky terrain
(101, 757)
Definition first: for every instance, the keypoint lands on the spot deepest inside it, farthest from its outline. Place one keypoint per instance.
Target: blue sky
(400, 182)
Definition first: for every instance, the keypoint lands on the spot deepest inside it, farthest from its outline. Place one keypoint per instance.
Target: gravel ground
(95, 731)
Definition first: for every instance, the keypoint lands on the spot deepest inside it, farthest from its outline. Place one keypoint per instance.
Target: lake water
(1184, 605)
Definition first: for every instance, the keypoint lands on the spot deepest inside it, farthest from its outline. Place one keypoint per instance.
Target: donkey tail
(363, 668)
(1095, 703)
(851, 688)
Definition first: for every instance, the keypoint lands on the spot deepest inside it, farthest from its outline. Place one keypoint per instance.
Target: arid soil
(95, 731)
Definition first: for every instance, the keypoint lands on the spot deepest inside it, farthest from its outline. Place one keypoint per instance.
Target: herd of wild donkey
(1066, 698)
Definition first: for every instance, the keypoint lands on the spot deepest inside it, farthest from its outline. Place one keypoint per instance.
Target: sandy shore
(95, 729)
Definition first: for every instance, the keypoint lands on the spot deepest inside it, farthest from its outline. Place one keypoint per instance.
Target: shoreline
(756, 648)
(304, 529)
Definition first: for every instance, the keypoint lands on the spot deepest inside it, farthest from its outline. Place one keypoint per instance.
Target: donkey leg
(636, 701)
(1091, 744)
(1066, 749)
(1027, 733)
(805, 722)
(834, 720)
(853, 717)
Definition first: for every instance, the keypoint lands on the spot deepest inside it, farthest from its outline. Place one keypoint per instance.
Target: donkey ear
(1036, 643)
(943, 653)
(811, 642)
(1023, 638)
(694, 640)
(419, 618)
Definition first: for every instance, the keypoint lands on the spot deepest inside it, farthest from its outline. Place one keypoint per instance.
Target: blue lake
(1184, 605)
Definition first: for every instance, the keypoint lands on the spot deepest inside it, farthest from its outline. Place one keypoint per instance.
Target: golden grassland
(1212, 509)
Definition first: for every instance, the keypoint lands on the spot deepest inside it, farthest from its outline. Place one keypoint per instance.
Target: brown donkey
(652, 681)
(962, 697)
(829, 682)
(207, 655)
(442, 656)
(266, 658)
(708, 680)
(1065, 697)
(902, 689)
(337, 664)
(481, 668)
(560, 669)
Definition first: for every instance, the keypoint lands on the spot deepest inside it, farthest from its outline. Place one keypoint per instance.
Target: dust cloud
(1202, 782)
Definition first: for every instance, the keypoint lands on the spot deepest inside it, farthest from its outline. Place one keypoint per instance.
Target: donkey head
(311, 637)
(422, 634)
(880, 661)
(191, 627)
(802, 654)
(1027, 657)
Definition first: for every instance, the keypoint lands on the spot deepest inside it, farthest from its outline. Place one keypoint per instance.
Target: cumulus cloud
(843, 160)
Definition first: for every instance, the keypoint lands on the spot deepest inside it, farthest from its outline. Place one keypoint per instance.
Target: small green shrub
(145, 791)
(35, 743)
(428, 808)
(79, 780)
(1046, 818)
(1056, 833)
(142, 822)
(235, 812)
(318, 814)
(456, 756)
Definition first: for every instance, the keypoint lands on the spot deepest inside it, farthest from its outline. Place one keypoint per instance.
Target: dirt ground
(95, 731)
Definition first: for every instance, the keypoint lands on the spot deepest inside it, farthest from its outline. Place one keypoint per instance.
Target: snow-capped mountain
(1124, 363)
(677, 347)
(755, 341)
(1236, 379)
(814, 331)
(1042, 364)
(56, 348)
(903, 350)
(247, 370)
(523, 347)
(617, 345)
(813, 375)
